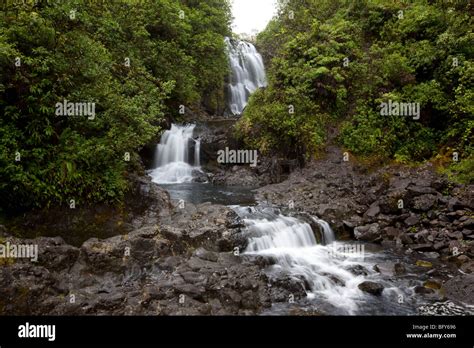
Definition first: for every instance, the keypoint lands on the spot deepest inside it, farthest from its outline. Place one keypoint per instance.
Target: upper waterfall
(247, 74)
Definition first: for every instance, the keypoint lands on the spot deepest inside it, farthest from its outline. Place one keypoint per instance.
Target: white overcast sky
(250, 15)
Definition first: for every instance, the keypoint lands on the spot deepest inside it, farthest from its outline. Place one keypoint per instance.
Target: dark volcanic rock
(367, 233)
(371, 287)
(460, 288)
(424, 202)
(412, 220)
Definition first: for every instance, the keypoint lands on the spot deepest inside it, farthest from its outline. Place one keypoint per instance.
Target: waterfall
(247, 74)
(326, 230)
(175, 160)
(292, 244)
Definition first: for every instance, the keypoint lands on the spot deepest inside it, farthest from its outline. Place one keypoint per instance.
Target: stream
(303, 249)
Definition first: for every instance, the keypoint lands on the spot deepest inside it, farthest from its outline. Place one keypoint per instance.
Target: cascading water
(326, 270)
(247, 74)
(175, 160)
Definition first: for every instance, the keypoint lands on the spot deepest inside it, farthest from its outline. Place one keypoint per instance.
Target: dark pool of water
(197, 193)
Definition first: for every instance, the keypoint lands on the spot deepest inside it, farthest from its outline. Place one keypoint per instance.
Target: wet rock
(193, 277)
(238, 176)
(368, 233)
(199, 176)
(206, 255)
(422, 247)
(422, 263)
(424, 202)
(432, 284)
(389, 204)
(442, 308)
(423, 290)
(405, 239)
(399, 269)
(440, 245)
(432, 255)
(460, 288)
(373, 210)
(412, 220)
(392, 232)
(358, 270)
(454, 204)
(455, 235)
(101, 256)
(422, 237)
(466, 232)
(421, 190)
(468, 223)
(55, 254)
(371, 288)
(462, 259)
(468, 267)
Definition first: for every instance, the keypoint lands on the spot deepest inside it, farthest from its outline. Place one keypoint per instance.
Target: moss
(461, 172)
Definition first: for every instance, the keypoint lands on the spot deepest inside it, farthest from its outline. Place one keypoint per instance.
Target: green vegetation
(336, 61)
(79, 51)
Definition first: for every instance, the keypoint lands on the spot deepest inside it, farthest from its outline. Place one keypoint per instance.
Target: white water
(293, 245)
(247, 74)
(174, 161)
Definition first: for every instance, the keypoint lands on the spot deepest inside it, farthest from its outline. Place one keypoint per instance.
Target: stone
(206, 255)
(460, 288)
(421, 190)
(422, 247)
(468, 267)
(358, 270)
(371, 288)
(399, 269)
(468, 223)
(412, 220)
(425, 264)
(368, 233)
(432, 255)
(454, 204)
(432, 284)
(373, 210)
(440, 245)
(455, 235)
(423, 290)
(392, 232)
(462, 259)
(424, 202)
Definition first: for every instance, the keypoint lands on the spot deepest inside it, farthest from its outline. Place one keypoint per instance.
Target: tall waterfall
(247, 74)
(176, 156)
(292, 245)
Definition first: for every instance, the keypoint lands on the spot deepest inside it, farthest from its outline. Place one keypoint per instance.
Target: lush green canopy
(333, 62)
(138, 61)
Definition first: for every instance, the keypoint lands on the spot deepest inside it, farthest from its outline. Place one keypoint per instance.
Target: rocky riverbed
(174, 259)
(411, 211)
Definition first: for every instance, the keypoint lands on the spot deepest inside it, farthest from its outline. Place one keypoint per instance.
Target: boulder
(371, 288)
(468, 267)
(368, 233)
(373, 210)
(424, 202)
(412, 220)
(460, 288)
(399, 269)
